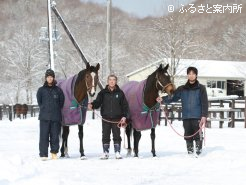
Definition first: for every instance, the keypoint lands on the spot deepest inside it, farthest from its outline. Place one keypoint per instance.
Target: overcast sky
(143, 8)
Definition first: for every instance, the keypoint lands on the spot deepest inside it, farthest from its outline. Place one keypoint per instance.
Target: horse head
(163, 80)
(91, 78)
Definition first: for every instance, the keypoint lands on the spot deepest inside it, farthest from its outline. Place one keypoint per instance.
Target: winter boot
(43, 158)
(117, 151)
(190, 147)
(198, 147)
(105, 151)
(53, 156)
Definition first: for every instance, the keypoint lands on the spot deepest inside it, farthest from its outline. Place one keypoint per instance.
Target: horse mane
(152, 75)
(149, 99)
(81, 75)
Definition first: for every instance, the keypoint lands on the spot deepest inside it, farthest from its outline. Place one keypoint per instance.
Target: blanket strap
(147, 110)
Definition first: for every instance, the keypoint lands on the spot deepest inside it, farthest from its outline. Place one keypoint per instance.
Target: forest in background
(136, 42)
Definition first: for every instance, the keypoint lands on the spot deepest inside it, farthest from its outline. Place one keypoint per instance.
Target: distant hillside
(135, 42)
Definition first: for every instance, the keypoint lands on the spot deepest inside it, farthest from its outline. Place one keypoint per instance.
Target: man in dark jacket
(50, 99)
(114, 107)
(194, 101)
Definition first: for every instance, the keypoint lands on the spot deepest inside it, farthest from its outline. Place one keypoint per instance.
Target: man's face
(49, 79)
(111, 81)
(191, 76)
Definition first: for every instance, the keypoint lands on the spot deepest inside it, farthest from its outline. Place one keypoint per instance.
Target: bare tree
(25, 58)
(176, 40)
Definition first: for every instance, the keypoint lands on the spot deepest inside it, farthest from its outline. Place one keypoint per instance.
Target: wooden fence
(7, 111)
(228, 109)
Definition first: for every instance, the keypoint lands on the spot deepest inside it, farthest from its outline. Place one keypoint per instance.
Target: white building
(220, 77)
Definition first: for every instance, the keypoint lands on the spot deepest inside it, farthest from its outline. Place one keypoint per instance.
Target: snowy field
(223, 161)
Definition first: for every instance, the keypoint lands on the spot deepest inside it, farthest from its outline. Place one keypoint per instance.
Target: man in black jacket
(114, 107)
(50, 99)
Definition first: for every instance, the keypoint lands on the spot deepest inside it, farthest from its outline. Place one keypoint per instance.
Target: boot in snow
(198, 147)
(105, 151)
(117, 151)
(53, 156)
(190, 147)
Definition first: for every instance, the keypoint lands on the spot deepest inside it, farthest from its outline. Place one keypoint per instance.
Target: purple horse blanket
(73, 112)
(142, 117)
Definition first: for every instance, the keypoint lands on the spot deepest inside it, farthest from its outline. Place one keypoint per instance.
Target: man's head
(192, 74)
(49, 76)
(112, 81)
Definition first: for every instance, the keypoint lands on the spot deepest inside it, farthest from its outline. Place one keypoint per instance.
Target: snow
(223, 160)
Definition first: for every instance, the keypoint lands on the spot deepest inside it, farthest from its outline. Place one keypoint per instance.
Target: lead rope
(200, 129)
(119, 124)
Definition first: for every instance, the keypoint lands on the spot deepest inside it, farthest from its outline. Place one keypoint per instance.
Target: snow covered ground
(223, 161)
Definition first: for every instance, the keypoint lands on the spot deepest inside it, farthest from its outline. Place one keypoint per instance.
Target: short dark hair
(191, 68)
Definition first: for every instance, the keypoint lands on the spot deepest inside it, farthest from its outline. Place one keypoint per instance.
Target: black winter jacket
(113, 103)
(50, 101)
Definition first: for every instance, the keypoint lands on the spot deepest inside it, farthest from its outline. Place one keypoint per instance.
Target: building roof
(206, 68)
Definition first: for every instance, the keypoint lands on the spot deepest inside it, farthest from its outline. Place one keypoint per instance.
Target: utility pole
(109, 38)
(50, 31)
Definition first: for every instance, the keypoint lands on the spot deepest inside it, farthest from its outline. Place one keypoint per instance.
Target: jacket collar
(116, 88)
(188, 85)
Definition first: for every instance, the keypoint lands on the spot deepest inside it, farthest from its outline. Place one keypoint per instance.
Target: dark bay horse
(17, 110)
(20, 109)
(24, 109)
(75, 105)
(144, 109)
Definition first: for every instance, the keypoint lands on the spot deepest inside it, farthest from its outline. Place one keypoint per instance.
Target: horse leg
(64, 148)
(81, 147)
(152, 135)
(128, 134)
(137, 136)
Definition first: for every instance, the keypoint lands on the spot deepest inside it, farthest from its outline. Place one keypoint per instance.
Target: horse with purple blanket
(76, 90)
(144, 109)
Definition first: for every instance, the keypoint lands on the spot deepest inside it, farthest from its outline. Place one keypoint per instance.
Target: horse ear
(166, 67)
(160, 67)
(88, 65)
(97, 66)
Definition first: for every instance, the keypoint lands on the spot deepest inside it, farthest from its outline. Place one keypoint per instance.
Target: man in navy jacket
(50, 100)
(194, 101)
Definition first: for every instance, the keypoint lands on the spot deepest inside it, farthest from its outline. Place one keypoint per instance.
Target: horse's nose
(92, 94)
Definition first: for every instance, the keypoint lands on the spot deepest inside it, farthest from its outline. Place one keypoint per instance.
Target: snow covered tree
(176, 40)
(26, 59)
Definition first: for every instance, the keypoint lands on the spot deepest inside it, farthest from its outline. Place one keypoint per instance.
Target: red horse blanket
(73, 112)
(142, 117)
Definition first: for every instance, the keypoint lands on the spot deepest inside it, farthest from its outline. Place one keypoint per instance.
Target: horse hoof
(64, 156)
(129, 153)
(83, 158)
